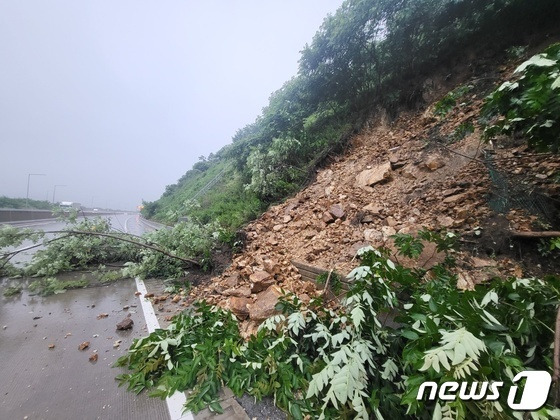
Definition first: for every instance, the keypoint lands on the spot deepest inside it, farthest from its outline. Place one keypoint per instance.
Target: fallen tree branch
(543, 234)
(119, 238)
(105, 235)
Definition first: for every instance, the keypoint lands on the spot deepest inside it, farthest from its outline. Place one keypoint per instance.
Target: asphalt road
(44, 375)
(39, 382)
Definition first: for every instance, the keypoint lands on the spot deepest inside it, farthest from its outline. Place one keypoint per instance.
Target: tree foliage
(370, 54)
(348, 363)
(529, 104)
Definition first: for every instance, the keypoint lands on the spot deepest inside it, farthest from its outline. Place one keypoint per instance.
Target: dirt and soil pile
(412, 174)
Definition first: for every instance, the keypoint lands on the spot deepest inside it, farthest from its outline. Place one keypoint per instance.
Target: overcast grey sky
(117, 99)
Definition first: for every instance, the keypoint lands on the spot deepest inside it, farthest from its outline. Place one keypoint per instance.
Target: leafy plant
(51, 285)
(463, 130)
(12, 291)
(71, 252)
(323, 363)
(333, 279)
(449, 101)
(529, 103)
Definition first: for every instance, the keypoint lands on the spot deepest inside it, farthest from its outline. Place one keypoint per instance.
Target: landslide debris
(414, 173)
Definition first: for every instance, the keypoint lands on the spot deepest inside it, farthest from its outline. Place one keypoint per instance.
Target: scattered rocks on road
(83, 346)
(125, 324)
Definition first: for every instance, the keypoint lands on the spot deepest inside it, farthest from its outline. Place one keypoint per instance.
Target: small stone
(373, 208)
(51, 346)
(445, 221)
(433, 163)
(337, 211)
(102, 315)
(83, 346)
(327, 217)
(125, 324)
(93, 357)
(373, 235)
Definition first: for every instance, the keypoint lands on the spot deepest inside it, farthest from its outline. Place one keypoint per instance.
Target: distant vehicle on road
(95, 210)
(66, 206)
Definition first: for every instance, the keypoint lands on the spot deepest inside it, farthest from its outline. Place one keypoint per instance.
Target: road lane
(61, 383)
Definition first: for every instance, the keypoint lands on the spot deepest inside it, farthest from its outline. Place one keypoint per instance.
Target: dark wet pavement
(61, 383)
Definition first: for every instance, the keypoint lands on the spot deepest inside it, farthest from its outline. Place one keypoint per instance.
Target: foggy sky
(117, 99)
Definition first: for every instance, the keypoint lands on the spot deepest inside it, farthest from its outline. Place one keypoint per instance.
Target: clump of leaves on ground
(51, 285)
(346, 363)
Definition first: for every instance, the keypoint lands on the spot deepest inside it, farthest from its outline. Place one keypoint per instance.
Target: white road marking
(126, 224)
(176, 402)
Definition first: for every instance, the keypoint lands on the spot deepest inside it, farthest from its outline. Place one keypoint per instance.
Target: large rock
(260, 280)
(238, 305)
(370, 177)
(264, 306)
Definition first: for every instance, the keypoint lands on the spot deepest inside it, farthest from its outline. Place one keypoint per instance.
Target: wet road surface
(37, 382)
(45, 376)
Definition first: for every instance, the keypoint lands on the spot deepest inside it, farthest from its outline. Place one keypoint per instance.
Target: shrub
(529, 103)
(343, 363)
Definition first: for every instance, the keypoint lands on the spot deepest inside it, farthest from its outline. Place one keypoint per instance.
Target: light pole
(28, 178)
(54, 191)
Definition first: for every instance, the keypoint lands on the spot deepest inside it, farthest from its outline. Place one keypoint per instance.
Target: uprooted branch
(105, 235)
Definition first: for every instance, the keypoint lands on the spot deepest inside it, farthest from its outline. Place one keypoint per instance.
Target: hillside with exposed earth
(400, 177)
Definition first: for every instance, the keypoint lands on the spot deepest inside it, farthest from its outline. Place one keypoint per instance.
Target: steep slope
(399, 178)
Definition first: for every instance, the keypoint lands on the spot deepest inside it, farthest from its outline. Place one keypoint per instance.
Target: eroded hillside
(421, 171)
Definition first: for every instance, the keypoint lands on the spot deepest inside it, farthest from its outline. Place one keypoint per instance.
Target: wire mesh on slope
(507, 194)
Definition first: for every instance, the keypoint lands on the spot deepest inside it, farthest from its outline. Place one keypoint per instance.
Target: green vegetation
(73, 252)
(449, 101)
(22, 203)
(50, 285)
(12, 291)
(529, 104)
(92, 242)
(345, 363)
(368, 55)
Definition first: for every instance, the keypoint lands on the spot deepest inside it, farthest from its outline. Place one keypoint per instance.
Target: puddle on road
(44, 373)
